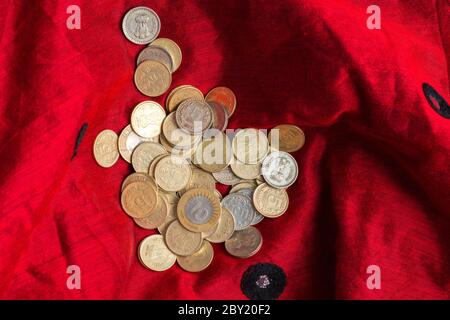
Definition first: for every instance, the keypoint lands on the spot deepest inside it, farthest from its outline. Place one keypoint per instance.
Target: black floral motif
(263, 281)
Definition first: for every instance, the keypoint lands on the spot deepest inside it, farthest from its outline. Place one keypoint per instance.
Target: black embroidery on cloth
(80, 137)
(436, 101)
(263, 281)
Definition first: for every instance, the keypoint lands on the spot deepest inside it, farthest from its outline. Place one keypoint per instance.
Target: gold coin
(151, 168)
(225, 228)
(181, 241)
(244, 243)
(152, 78)
(206, 234)
(199, 210)
(157, 216)
(154, 254)
(106, 151)
(287, 137)
(175, 136)
(198, 261)
(250, 146)
(181, 94)
(214, 155)
(139, 199)
(270, 202)
(200, 179)
(173, 49)
(242, 185)
(129, 140)
(246, 171)
(172, 173)
(138, 177)
(144, 154)
(147, 118)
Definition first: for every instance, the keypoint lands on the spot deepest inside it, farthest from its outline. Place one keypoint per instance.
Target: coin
(218, 194)
(172, 173)
(287, 137)
(139, 199)
(214, 155)
(223, 96)
(246, 171)
(157, 217)
(225, 227)
(270, 202)
(180, 94)
(154, 254)
(173, 49)
(200, 179)
(175, 136)
(258, 217)
(146, 119)
(138, 177)
(244, 243)
(144, 154)
(241, 207)
(280, 170)
(242, 185)
(128, 140)
(226, 176)
(199, 210)
(250, 146)
(198, 261)
(183, 153)
(141, 25)
(171, 214)
(194, 116)
(181, 241)
(155, 53)
(220, 116)
(152, 78)
(105, 148)
(153, 163)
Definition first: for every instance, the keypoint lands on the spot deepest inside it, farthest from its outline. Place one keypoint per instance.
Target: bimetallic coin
(250, 146)
(220, 116)
(215, 154)
(175, 136)
(181, 241)
(270, 202)
(225, 227)
(224, 97)
(226, 176)
(280, 170)
(139, 199)
(141, 25)
(198, 261)
(181, 93)
(155, 53)
(173, 49)
(246, 171)
(152, 78)
(138, 177)
(144, 154)
(146, 119)
(157, 217)
(287, 137)
(241, 207)
(194, 116)
(244, 243)
(258, 217)
(172, 173)
(105, 148)
(154, 254)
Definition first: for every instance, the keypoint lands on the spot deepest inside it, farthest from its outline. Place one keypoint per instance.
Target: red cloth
(374, 185)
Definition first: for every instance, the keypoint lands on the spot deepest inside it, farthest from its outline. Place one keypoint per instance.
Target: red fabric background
(374, 184)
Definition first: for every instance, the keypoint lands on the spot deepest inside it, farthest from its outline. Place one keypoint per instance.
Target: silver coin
(199, 210)
(226, 176)
(157, 54)
(240, 206)
(249, 193)
(279, 169)
(141, 25)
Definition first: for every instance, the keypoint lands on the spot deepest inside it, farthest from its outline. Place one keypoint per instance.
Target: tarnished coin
(250, 146)
(155, 53)
(105, 148)
(226, 176)
(173, 49)
(154, 254)
(225, 227)
(287, 137)
(241, 207)
(224, 97)
(181, 241)
(243, 185)
(244, 243)
(246, 171)
(128, 140)
(175, 136)
(139, 199)
(198, 261)
(181, 93)
(199, 210)
(200, 179)
(144, 154)
(141, 25)
(146, 119)
(214, 155)
(157, 216)
(220, 116)
(172, 173)
(258, 217)
(138, 177)
(194, 116)
(280, 170)
(270, 202)
(152, 78)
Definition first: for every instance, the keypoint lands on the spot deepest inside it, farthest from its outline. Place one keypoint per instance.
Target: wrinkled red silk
(374, 183)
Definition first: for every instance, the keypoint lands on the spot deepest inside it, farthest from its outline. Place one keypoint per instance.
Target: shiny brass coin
(152, 78)
(129, 140)
(199, 210)
(223, 96)
(138, 177)
(157, 217)
(144, 154)
(181, 241)
(226, 176)
(214, 155)
(246, 171)
(175, 136)
(180, 94)
(154, 254)
(242, 185)
(172, 173)
(225, 228)
(173, 49)
(155, 53)
(139, 199)
(105, 148)
(151, 168)
(146, 119)
(200, 179)
(287, 137)
(250, 146)
(198, 261)
(270, 202)
(244, 243)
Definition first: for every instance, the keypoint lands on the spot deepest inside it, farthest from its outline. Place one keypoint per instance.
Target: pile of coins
(179, 156)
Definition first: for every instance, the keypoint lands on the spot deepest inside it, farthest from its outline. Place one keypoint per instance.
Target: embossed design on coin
(105, 148)
(270, 202)
(139, 199)
(244, 243)
(246, 171)
(157, 216)
(173, 49)
(200, 179)
(225, 228)
(154, 254)
(138, 177)
(287, 137)
(181, 241)
(144, 154)
(226, 176)
(152, 78)
(223, 96)
(280, 170)
(194, 116)
(258, 217)
(180, 94)
(175, 136)
(157, 54)
(198, 261)
(215, 154)
(250, 146)
(172, 173)
(241, 207)
(128, 140)
(146, 119)
(141, 25)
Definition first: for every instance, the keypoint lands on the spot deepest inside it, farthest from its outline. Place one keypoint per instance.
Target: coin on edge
(141, 25)
(279, 169)
(139, 199)
(181, 241)
(225, 228)
(172, 173)
(198, 261)
(152, 78)
(244, 243)
(287, 137)
(173, 49)
(157, 217)
(105, 148)
(147, 118)
(223, 96)
(154, 254)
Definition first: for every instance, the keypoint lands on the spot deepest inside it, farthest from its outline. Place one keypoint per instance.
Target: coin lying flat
(223, 96)
(241, 207)
(246, 171)
(173, 49)
(243, 185)
(200, 179)
(226, 176)
(157, 217)
(220, 116)
(194, 116)
(181, 241)
(171, 214)
(139, 199)
(244, 243)
(138, 177)
(172, 173)
(129, 140)
(225, 228)
(152, 78)
(154, 254)
(175, 136)
(198, 261)
(180, 94)
(146, 119)
(155, 53)
(287, 137)
(141, 25)
(258, 217)
(250, 146)
(270, 202)
(280, 170)
(105, 148)
(144, 154)
(214, 155)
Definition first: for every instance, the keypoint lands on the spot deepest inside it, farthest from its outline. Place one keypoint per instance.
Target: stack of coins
(178, 154)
